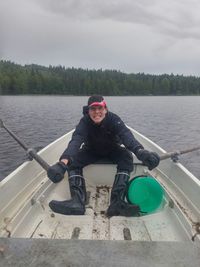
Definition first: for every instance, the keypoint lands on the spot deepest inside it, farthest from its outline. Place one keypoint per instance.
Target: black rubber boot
(76, 205)
(118, 207)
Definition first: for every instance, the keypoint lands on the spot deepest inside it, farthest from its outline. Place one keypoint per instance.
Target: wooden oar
(30, 151)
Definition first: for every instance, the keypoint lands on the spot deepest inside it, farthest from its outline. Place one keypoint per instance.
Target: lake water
(171, 122)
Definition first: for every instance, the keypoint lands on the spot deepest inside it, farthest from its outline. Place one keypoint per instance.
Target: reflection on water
(171, 122)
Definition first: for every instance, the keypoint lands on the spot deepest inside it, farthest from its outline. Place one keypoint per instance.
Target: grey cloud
(132, 36)
(128, 11)
(175, 18)
(2, 32)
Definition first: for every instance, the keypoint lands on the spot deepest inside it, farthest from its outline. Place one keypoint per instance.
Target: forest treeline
(35, 79)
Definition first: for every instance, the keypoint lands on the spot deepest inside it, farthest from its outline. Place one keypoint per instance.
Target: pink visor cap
(101, 104)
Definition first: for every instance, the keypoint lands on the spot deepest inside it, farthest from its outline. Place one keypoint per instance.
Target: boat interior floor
(38, 220)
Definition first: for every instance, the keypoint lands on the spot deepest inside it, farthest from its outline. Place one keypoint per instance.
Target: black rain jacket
(101, 138)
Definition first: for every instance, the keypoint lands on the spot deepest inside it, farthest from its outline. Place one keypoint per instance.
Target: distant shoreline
(34, 79)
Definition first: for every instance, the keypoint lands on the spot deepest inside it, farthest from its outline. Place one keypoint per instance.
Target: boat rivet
(171, 203)
(32, 201)
(2, 250)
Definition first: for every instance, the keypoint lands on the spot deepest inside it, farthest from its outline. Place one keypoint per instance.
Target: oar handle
(30, 151)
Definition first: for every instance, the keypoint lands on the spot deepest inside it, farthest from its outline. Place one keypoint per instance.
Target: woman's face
(97, 113)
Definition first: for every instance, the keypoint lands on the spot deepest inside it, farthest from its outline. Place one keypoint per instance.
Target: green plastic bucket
(145, 192)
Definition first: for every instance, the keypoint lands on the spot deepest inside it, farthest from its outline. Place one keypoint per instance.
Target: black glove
(150, 159)
(56, 172)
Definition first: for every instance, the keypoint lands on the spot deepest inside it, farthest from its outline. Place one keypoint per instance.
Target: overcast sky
(151, 36)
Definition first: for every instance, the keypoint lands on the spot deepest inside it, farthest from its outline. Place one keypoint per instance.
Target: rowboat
(30, 233)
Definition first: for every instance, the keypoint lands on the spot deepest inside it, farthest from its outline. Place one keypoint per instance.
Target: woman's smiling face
(97, 113)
